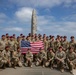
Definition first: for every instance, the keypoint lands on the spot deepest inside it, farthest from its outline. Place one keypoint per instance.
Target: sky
(54, 17)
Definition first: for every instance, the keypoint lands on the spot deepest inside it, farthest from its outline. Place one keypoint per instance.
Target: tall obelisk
(34, 23)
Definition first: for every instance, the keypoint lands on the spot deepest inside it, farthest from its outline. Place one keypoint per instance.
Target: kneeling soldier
(6, 55)
(71, 59)
(41, 58)
(29, 58)
(60, 57)
(50, 56)
(16, 58)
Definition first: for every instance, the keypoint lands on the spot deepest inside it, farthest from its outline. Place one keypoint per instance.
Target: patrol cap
(3, 35)
(58, 35)
(52, 36)
(72, 36)
(18, 37)
(61, 36)
(6, 33)
(13, 34)
(65, 36)
(23, 36)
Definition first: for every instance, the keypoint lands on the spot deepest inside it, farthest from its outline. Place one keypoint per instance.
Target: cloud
(44, 3)
(59, 28)
(3, 18)
(24, 14)
(71, 17)
(14, 29)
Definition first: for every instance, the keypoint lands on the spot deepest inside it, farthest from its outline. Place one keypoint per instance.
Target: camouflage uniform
(41, 58)
(57, 44)
(72, 44)
(2, 60)
(46, 44)
(50, 56)
(3, 44)
(65, 45)
(6, 55)
(16, 59)
(29, 59)
(52, 45)
(71, 60)
(60, 57)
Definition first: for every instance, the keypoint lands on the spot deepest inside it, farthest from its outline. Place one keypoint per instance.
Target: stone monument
(33, 23)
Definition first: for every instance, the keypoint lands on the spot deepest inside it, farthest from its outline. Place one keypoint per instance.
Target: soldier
(72, 43)
(16, 58)
(41, 58)
(17, 43)
(32, 38)
(57, 44)
(6, 55)
(3, 42)
(65, 44)
(2, 60)
(7, 35)
(50, 56)
(60, 57)
(11, 44)
(52, 43)
(29, 58)
(71, 59)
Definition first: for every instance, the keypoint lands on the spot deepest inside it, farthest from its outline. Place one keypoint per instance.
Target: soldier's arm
(64, 56)
(57, 56)
(74, 57)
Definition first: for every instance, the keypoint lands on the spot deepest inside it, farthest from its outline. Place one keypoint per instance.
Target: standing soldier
(29, 58)
(71, 59)
(50, 57)
(17, 43)
(52, 43)
(11, 44)
(3, 42)
(41, 58)
(45, 43)
(65, 44)
(57, 44)
(72, 43)
(60, 57)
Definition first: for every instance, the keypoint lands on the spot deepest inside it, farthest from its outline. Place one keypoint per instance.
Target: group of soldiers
(57, 52)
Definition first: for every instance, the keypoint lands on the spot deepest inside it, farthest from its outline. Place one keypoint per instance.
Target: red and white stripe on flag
(35, 47)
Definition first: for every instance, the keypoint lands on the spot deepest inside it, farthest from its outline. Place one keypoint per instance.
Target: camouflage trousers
(2, 62)
(28, 62)
(15, 61)
(41, 62)
(60, 64)
(71, 65)
(49, 63)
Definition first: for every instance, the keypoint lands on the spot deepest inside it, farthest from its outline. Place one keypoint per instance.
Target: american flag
(35, 46)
